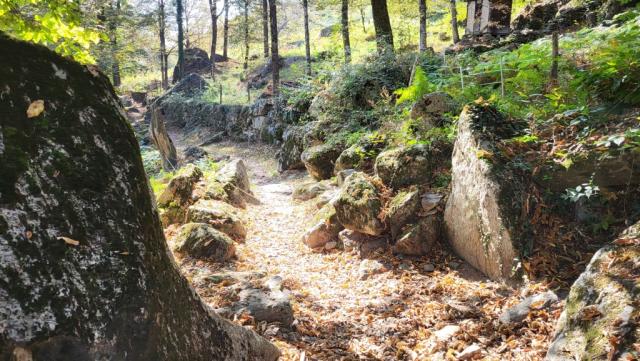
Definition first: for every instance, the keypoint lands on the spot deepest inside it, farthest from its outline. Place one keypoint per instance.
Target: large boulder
(200, 240)
(85, 272)
(402, 209)
(220, 216)
(432, 107)
(358, 206)
(289, 155)
(325, 228)
(404, 166)
(178, 191)
(235, 182)
(320, 160)
(307, 191)
(599, 321)
(196, 61)
(361, 155)
(418, 238)
(481, 215)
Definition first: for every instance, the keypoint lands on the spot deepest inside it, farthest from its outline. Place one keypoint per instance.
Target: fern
(419, 87)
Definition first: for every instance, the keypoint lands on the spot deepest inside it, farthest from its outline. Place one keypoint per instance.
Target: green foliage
(418, 88)
(585, 190)
(54, 23)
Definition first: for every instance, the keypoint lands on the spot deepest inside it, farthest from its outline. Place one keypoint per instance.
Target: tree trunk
(364, 28)
(307, 44)
(225, 42)
(384, 34)
(113, 28)
(265, 27)
(454, 21)
(164, 66)
(246, 35)
(275, 60)
(423, 25)
(345, 31)
(86, 272)
(213, 9)
(180, 67)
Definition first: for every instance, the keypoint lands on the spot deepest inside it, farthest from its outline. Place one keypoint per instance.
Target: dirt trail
(394, 315)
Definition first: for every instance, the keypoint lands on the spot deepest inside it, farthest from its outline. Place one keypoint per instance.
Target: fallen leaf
(35, 108)
(29, 234)
(69, 241)
(589, 313)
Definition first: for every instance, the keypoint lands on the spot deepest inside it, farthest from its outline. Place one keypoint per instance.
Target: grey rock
(358, 206)
(202, 241)
(220, 216)
(307, 191)
(402, 209)
(419, 238)
(404, 166)
(520, 311)
(319, 160)
(343, 175)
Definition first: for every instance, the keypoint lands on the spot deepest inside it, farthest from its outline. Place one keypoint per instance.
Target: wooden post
(461, 77)
(502, 76)
(220, 92)
(555, 52)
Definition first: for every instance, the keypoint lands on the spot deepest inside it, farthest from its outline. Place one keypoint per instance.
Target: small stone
(330, 245)
(446, 333)
(370, 267)
(520, 311)
(405, 266)
(470, 353)
(454, 264)
(429, 267)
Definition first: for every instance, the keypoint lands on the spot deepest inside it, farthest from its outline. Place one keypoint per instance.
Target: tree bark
(307, 41)
(113, 37)
(454, 21)
(265, 27)
(180, 66)
(345, 31)
(86, 273)
(364, 28)
(213, 9)
(225, 42)
(275, 59)
(246, 35)
(423, 25)
(384, 33)
(164, 66)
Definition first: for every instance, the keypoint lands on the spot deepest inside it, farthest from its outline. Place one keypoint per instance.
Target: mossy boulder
(404, 166)
(403, 208)
(200, 240)
(320, 160)
(289, 155)
(178, 192)
(483, 215)
(325, 228)
(417, 239)
(307, 191)
(358, 205)
(431, 108)
(234, 180)
(361, 155)
(85, 272)
(220, 216)
(599, 321)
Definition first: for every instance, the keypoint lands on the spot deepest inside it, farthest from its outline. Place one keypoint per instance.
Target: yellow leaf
(69, 241)
(483, 154)
(35, 108)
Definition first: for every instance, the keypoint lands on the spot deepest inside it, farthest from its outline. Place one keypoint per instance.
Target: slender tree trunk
(163, 46)
(187, 42)
(345, 31)
(423, 25)
(179, 73)
(113, 28)
(246, 34)
(225, 42)
(265, 27)
(454, 21)
(364, 27)
(384, 33)
(275, 61)
(213, 9)
(307, 45)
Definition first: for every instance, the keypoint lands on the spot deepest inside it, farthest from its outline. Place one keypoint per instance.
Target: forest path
(404, 312)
